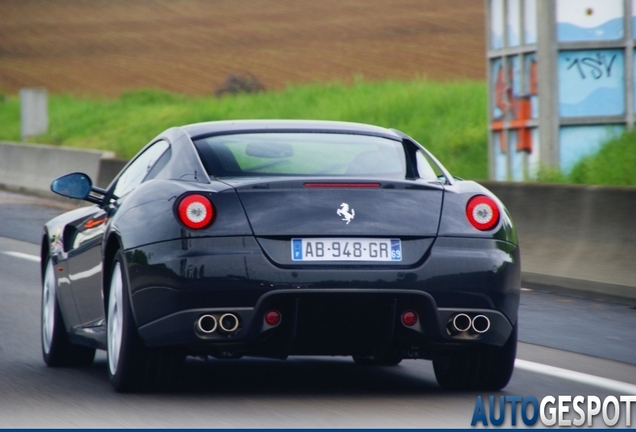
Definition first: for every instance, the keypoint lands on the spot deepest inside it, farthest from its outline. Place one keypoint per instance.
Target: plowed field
(105, 47)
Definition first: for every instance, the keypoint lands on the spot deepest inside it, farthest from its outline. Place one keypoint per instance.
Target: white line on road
(21, 255)
(609, 384)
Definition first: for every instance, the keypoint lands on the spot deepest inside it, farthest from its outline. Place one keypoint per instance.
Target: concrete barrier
(30, 168)
(577, 238)
(108, 170)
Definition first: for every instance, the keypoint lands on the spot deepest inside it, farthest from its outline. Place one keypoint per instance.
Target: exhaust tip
(461, 323)
(206, 324)
(229, 322)
(481, 324)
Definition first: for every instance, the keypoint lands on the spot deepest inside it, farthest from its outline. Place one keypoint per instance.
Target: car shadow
(298, 376)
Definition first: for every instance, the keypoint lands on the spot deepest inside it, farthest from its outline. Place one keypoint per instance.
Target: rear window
(313, 154)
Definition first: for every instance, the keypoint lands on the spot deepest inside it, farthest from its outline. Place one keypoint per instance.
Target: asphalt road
(591, 341)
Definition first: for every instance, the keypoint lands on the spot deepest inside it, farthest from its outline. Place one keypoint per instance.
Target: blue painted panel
(516, 158)
(513, 22)
(497, 24)
(591, 83)
(577, 142)
(634, 68)
(589, 20)
(530, 86)
(517, 82)
(534, 162)
(501, 162)
(609, 31)
(530, 22)
(497, 74)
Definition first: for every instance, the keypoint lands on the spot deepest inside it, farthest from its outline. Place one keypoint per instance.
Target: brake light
(482, 212)
(195, 211)
(343, 185)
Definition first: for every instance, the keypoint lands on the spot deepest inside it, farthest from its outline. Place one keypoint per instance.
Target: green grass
(448, 118)
(614, 164)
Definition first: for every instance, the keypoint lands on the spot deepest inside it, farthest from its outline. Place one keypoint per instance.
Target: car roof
(200, 130)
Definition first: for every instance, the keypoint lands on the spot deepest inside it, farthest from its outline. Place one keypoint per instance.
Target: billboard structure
(560, 79)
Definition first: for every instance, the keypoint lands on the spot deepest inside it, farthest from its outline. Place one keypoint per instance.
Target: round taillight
(272, 318)
(482, 212)
(195, 211)
(409, 318)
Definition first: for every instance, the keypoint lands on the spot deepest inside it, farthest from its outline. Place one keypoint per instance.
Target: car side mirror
(74, 185)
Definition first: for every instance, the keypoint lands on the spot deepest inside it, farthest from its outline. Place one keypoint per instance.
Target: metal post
(491, 102)
(34, 117)
(548, 82)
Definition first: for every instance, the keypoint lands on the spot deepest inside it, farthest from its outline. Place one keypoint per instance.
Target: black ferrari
(279, 238)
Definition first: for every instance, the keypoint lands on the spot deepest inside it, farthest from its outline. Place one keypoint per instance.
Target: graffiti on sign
(597, 66)
(592, 82)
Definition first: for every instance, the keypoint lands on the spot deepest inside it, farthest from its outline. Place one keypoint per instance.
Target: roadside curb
(594, 291)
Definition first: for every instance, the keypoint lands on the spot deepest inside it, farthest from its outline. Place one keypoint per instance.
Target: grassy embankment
(448, 118)
(614, 164)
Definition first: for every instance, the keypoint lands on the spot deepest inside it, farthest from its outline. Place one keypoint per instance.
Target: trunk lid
(278, 207)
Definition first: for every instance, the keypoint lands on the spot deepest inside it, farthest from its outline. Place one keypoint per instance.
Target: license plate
(346, 249)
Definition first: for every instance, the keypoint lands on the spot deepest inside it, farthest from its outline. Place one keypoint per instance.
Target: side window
(425, 169)
(159, 165)
(137, 171)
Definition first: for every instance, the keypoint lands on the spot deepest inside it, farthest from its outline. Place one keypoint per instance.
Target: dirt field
(109, 46)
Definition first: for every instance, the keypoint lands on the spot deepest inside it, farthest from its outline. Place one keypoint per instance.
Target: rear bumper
(329, 322)
(330, 310)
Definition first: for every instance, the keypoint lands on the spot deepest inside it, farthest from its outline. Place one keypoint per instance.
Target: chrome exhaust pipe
(229, 323)
(481, 324)
(206, 324)
(461, 323)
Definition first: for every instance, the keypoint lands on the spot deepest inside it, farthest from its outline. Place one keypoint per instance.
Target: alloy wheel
(115, 319)
(48, 307)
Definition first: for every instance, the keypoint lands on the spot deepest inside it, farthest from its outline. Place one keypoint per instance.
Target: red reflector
(343, 185)
(409, 318)
(482, 212)
(195, 211)
(272, 318)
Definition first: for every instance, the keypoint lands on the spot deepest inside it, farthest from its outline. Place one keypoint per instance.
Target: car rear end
(327, 242)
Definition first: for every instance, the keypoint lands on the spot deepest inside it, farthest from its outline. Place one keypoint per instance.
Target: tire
(487, 368)
(57, 350)
(132, 366)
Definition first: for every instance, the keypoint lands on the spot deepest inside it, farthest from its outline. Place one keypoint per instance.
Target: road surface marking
(21, 255)
(606, 383)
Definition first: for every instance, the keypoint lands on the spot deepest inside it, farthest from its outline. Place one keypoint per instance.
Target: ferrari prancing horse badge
(344, 212)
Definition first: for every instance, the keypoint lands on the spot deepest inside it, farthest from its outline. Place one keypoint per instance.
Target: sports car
(277, 238)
